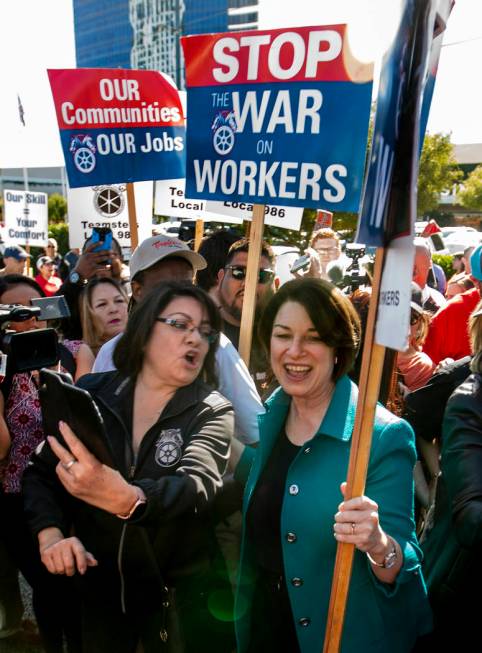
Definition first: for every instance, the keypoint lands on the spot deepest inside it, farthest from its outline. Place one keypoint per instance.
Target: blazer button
(291, 537)
(294, 489)
(297, 582)
(304, 621)
(307, 450)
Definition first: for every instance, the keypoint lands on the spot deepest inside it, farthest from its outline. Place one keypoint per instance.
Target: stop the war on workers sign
(278, 116)
(118, 126)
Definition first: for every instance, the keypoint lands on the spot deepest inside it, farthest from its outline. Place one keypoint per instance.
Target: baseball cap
(15, 251)
(476, 263)
(155, 249)
(43, 260)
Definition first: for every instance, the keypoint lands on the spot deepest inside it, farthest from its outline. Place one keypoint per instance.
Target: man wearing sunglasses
(230, 293)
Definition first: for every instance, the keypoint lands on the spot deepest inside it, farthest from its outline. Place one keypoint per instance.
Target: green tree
(470, 195)
(57, 208)
(438, 171)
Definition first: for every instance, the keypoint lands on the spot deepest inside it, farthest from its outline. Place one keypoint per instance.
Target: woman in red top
(45, 278)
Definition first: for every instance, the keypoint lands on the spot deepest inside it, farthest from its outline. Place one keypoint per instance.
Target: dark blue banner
(105, 156)
(388, 208)
(273, 154)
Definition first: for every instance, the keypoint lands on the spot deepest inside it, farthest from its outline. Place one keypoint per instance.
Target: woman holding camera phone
(138, 536)
(20, 434)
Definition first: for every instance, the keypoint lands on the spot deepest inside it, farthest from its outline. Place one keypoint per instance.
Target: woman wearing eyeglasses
(137, 535)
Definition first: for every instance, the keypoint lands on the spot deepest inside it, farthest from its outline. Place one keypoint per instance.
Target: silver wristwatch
(74, 277)
(388, 561)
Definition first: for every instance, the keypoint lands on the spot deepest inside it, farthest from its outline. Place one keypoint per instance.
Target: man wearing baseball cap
(448, 335)
(14, 259)
(159, 259)
(46, 278)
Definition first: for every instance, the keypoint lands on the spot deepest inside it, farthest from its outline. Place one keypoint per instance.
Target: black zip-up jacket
(452, 549)
(180, 465)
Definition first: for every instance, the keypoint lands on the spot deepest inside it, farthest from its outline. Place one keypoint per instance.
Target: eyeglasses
(326, 250)
(238, 272)
(183, 326)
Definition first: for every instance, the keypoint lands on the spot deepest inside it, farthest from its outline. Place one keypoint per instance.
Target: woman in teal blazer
(293, 506)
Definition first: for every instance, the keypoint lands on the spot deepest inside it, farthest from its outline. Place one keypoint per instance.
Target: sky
(457, 101)
(36, 35)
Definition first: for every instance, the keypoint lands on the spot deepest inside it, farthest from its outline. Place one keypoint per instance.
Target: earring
(336, 360)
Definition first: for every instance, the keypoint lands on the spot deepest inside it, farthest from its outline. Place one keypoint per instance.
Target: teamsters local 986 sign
(278, 116)
(118, 126)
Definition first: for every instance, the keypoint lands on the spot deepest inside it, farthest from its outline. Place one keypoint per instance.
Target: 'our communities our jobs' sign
(118, 126)
(26, 218)
(276, 117)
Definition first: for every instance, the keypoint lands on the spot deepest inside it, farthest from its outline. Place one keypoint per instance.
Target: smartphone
(62, 401)
(103, 234)
(51, 308)
(301, 263)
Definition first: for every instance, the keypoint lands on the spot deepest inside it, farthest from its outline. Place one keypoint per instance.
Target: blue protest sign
(276, 117)
(118, 125)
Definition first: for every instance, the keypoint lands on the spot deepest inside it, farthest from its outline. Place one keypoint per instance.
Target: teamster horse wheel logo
(223, 128)
(169, 447)
(83, 149)
(109, 200)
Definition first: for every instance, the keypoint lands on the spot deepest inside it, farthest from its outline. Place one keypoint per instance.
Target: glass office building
(145, 33)
(103, 33)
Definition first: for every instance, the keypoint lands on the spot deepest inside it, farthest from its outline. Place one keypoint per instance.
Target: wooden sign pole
(198, 234)
(371, 372)
(131, 207)
(249, 302)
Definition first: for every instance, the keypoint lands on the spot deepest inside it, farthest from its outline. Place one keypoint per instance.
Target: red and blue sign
(118, 125)
(278, 116)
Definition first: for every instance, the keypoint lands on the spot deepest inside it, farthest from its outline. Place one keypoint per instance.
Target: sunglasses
(238, 272)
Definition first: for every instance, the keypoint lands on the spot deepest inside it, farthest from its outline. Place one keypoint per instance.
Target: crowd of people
(213, 525)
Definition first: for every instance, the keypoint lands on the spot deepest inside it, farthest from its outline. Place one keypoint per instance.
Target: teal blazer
(379, 618)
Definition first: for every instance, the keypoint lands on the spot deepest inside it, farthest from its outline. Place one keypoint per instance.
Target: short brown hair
(331, 312)
(242, 245)
(129, 352)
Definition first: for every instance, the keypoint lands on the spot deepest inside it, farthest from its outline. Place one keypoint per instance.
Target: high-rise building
(103, 33)
(145, 33)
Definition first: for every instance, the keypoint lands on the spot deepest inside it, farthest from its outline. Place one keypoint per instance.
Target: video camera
(354, 276)
(30, 350)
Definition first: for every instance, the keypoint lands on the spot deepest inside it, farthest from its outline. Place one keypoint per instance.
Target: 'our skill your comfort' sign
(118, 125)
(277, 117)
